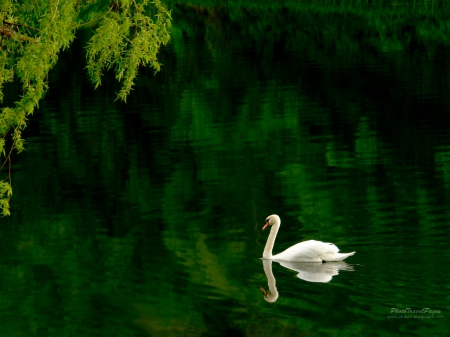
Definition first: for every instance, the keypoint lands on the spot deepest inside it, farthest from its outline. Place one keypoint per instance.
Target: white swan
(307, 251)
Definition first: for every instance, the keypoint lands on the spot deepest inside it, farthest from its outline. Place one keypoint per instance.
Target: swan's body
(307, 251)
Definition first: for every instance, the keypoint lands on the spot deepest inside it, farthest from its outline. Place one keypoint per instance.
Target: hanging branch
(14, 35)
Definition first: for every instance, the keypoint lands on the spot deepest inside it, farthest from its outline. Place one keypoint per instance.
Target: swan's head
(271, 220)
(268, 296)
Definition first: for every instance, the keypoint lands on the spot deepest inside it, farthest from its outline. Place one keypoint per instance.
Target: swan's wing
(329, 252)
(325, 248)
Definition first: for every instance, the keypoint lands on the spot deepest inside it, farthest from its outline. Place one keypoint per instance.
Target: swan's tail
(338, 256)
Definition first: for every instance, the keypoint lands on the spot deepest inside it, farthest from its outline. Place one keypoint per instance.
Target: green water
(144, 219)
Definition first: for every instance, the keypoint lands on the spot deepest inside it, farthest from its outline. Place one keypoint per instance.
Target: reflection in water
(316, 272)
(311, 272)
(272, 294)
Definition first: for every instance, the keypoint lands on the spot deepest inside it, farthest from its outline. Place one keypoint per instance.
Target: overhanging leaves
(33, 34)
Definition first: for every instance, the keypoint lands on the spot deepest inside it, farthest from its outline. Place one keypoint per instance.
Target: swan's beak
(266, 224)
(264, 291)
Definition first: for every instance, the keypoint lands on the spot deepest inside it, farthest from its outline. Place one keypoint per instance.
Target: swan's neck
(267, 254)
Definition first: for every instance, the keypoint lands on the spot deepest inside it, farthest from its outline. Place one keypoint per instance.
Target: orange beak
(266, 224)
(264, 291)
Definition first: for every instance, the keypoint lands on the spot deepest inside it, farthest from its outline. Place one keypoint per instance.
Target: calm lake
(145, 218)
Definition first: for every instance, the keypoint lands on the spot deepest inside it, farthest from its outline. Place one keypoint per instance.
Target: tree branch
(14, 35)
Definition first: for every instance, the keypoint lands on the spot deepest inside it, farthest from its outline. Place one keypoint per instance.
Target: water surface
(144, 219)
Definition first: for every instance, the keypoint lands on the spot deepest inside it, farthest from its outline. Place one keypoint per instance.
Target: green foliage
(33, 33)
(5, 194)
(125, 40)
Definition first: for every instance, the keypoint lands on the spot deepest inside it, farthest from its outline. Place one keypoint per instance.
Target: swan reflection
(270, 295)
(316, 272)
(311, 272)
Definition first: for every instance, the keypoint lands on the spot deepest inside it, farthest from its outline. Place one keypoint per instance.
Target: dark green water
(144, 219)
